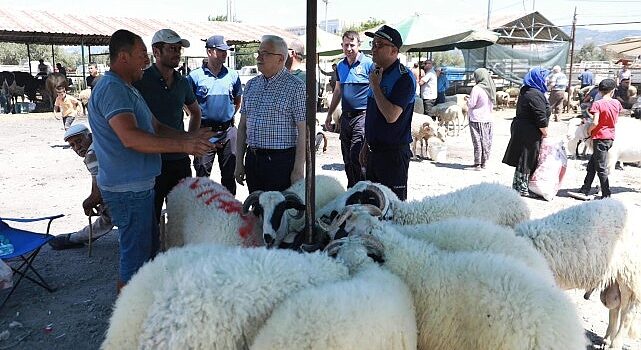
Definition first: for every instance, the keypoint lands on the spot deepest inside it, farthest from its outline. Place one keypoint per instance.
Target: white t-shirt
(428, 89)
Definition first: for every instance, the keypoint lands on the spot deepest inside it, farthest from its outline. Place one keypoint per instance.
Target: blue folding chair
(26, 246)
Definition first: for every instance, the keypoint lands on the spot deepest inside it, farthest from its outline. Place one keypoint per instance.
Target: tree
(219, 18)
(16, 54)
(591, 52)
(245, 55)
(448, 58)
(363, 26)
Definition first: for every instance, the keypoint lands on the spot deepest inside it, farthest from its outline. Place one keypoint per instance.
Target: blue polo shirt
(354, 82)
(166, 102)
(398, 85)
(215, 93)
(121, 169)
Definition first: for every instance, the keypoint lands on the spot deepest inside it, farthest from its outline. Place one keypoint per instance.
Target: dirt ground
(40, 175)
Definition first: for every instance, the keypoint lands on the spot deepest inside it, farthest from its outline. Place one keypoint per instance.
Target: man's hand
(239, 173)
(296, 175)
(91, 205)
(197, 142)
(328, 123)
(375, 77)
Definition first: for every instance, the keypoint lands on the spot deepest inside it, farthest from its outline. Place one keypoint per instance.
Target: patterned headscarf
(535, 78)
(484, 81)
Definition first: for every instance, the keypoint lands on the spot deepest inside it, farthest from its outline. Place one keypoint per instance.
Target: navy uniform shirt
(354, 82)
(398, 85)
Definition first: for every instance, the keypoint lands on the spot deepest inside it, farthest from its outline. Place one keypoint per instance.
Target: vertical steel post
(310, 151)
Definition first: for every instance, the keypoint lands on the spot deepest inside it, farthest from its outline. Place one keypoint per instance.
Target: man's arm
(237, 102)
(595, 122)
(390, 111)
(299, 162)
(126, 128)
(241, 147)
(93, 201)
(194, 116)
(336, 98)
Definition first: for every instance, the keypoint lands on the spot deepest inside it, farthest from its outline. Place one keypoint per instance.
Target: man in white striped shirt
(79, 138)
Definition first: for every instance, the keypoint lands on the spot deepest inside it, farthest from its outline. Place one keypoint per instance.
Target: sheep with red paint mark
(200, 210)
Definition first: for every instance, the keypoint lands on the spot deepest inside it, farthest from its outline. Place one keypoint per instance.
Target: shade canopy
(630, 46)
(327, 44)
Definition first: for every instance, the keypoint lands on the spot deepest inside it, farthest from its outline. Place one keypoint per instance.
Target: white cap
(170, 37)
(76, 129)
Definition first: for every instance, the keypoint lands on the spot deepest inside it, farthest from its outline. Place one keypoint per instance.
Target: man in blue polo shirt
(390, 105)
(166, 92)
(219, 94)
(351, 90)
(127, 140)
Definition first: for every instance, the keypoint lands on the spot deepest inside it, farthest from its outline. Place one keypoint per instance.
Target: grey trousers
(100, 227)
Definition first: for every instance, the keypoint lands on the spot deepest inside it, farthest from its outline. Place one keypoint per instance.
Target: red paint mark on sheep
(204, 193)
(194, 185)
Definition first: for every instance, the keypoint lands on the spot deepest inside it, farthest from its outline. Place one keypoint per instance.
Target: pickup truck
(246, 73)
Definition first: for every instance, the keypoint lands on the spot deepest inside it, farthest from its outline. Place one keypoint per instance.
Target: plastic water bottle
(6, 248)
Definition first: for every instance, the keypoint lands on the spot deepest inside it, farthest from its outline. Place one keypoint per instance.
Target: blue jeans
(134, 214)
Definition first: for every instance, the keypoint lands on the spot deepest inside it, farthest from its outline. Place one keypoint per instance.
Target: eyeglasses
(264, 53)
(379, 44)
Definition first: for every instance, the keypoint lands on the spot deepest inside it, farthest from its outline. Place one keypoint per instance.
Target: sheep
(202, 211)
(210, 296)
(487, 201)
(472, 300)
(461, 101)
(372, 310)
(281, 215)
(319, 138)
(327, 100)
(592, 246)
(449, 113)
(502, 100)
(575, 135)
(84, 96)
(424, 128)
(570, 102)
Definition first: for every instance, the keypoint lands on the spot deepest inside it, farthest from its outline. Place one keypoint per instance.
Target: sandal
(62, 242)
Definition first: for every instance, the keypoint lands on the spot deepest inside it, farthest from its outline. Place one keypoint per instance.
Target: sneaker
(63, 242)
(580, 195)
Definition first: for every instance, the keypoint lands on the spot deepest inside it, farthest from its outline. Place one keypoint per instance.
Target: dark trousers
(390, 167)
(172, 172)
(427, 106)
(226, 163)
(352, 137)
(269, 170)
(598, 165)
(440, 97)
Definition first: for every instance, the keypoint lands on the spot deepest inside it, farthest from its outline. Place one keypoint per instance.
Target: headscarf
(485, 82)
(535, 78)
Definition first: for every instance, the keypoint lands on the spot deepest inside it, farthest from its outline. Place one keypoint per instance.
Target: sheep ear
(251, 201)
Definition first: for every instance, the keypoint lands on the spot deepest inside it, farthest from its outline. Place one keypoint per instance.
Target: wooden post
(310, 150)
(29, 57)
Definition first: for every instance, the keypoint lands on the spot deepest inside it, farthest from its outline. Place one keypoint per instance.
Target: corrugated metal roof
(33, 27)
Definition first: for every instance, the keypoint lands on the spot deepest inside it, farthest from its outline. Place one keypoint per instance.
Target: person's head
(438, 70)
(386, 42)
(556, 69)
(481, 74)
(61, 91)
(217, 48)
(427, 66)
(272, 54)
(41, 61)
(79, 138)
(625, 83)
(351, 44)
(296, 53)
(128, 55)
(587, 69)
(58, 65)
(535, 78)
(415, 65)
(334, 66)
(607, 86)
(93, 69)
(167, 47)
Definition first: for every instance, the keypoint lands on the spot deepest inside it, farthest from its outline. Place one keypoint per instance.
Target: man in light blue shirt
(219, 94)
(128, 141)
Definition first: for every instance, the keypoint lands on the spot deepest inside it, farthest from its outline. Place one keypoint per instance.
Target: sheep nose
(269, 240)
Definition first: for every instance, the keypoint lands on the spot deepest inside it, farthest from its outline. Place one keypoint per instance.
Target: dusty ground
(40, 175)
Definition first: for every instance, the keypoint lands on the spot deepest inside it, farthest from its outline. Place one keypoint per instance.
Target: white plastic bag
(6, 276)
(549, 173)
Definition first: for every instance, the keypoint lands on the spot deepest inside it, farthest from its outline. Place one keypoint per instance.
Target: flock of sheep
(464, 270)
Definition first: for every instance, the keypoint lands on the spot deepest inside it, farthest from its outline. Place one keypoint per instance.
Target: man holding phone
(219, 94)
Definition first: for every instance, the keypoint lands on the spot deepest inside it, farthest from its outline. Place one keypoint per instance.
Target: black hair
(121, 40)
(607, 85)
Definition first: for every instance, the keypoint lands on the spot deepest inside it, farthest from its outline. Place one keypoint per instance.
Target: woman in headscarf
(528, 127)
(480, 105)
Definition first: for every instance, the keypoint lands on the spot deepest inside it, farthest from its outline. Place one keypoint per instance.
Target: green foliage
(15, 54)
(363, 26)
(448, 58)
(245, 55)
(591, 52)
(219, 18)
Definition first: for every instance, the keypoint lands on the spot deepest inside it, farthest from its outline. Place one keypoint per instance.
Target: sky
(286, 13)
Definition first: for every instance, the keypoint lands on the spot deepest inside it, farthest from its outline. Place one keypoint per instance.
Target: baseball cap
(388, 33)
(170, 37)
(297, 46)
(76, 129)
(217, 42)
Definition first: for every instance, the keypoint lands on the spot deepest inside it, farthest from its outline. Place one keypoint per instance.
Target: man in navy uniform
(390, 104)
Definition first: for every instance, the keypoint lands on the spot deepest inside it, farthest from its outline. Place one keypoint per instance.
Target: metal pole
(571, 54)
(326, 3)
(29, 57)
(82, 56)
(53, 58)
(310, 150)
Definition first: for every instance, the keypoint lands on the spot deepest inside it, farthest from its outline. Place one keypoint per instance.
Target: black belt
(385, 148)
(270, 151)
(216, 126)
(354, 113)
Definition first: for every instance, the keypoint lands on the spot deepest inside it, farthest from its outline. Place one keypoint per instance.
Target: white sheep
(449, 113)
(502, 100)
(372, 310)
(210, 296)
(492, 202)
(424, 128)
(461, 101)
(591, 246)
(281, 214)
(200, 210)
(472, 300)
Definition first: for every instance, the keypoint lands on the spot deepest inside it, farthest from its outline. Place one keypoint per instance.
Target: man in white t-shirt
(428, 87)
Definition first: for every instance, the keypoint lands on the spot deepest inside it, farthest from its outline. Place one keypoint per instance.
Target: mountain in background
(598, 37)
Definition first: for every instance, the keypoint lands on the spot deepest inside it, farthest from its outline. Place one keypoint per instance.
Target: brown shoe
(62, 242)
